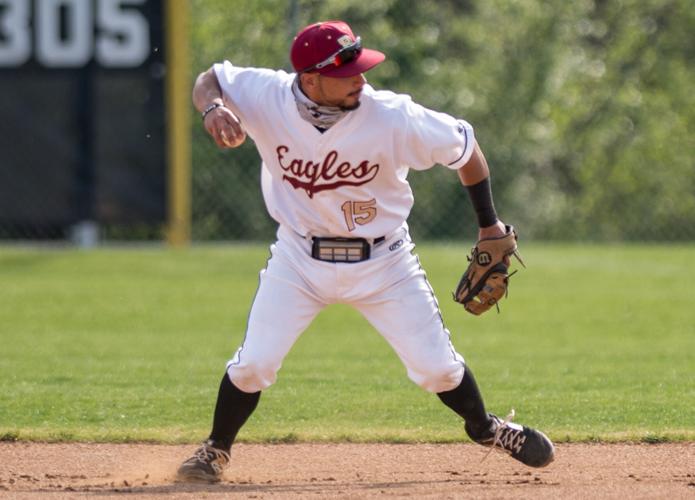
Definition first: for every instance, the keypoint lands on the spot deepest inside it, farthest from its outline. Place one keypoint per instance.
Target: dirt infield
(37, 470)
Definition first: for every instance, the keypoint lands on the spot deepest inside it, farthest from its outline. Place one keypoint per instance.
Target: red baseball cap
(330, 48)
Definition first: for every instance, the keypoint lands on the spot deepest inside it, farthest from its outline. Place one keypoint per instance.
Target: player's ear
(308, 81)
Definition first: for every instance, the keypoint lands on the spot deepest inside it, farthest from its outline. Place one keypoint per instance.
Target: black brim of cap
(367, 59)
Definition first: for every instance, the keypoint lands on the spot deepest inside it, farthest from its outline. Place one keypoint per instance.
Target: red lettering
(296, 167)
(312, 176)
(344, 170)
(312, 170)
(281, 150)
(328, 162)
(364, 169)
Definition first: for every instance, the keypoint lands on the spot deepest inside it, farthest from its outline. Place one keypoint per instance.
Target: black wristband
(481, 198)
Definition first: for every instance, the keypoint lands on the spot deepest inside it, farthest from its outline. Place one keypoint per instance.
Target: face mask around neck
(319, 116)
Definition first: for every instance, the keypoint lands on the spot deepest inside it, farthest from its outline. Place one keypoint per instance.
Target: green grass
(594, 343)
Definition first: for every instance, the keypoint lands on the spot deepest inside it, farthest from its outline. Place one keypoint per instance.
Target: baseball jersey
(351, 180)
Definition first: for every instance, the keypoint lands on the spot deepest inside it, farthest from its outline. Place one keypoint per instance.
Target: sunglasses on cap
(343, 56)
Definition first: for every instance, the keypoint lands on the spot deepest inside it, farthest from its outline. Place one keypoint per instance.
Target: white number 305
(65, 33)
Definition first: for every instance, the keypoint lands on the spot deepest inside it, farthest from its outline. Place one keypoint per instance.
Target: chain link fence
(584, 110)
(586, 137)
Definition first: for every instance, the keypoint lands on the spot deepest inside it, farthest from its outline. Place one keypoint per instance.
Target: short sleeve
(434, 138)
(243, 89)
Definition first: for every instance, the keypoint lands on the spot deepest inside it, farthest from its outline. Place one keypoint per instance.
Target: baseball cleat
(528, 446)
(206, 465)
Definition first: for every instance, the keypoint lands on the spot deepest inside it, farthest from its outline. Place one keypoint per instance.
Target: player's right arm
(219, 121)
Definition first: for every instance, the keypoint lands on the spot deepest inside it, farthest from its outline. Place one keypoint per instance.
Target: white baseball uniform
(349, 181)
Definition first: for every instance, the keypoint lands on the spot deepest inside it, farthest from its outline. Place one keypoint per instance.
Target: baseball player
(335, 160)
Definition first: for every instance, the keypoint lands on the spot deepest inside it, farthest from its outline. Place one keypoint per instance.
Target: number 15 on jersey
(358, 212)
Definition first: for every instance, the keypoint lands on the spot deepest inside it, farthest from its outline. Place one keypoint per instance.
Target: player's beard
(351, 107)
(342, 104)
(356, 104)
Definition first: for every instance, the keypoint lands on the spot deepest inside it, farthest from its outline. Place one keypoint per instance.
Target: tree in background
(584, 109)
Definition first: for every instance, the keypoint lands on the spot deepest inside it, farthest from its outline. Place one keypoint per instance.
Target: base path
(135, 471)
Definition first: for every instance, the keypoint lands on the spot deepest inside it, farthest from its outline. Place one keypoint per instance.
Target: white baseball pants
(390, 290)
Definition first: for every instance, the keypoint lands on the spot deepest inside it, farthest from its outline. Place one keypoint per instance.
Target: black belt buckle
(348, 250)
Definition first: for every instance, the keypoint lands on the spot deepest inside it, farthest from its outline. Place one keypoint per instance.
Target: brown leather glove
(486, 279)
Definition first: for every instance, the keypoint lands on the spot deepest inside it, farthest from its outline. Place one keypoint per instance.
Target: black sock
(468, 403)
(233, 408)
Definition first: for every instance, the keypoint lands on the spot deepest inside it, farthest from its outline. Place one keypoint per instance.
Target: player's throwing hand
(224, 127)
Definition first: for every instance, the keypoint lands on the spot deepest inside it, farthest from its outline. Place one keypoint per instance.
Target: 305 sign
(71, 33)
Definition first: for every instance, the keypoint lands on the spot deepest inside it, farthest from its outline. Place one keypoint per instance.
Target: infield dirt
(138, 471)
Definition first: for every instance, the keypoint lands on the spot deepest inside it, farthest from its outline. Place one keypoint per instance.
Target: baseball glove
(486, 279)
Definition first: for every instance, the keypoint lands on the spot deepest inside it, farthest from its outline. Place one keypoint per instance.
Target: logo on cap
(345, 41)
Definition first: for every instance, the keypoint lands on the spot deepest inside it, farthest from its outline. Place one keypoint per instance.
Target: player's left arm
(486, 279)
(475, 176)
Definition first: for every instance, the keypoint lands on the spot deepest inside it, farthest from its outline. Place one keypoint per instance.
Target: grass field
(594, 343)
